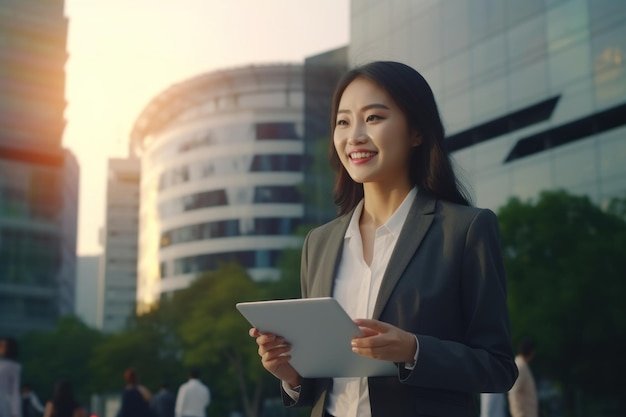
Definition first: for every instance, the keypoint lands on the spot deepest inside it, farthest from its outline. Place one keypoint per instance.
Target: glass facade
(38, 211)
(321, 74)
(541, 83)
(32, 72)
(220, 177)
(38, 178)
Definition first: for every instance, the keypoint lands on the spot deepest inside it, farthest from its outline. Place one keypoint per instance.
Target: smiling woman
(372, 137)
(408, 259)
(123, 53)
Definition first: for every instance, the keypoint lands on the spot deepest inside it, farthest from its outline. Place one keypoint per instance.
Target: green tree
(149, 344)
(565, 270)
(62, 353)
(215, 338)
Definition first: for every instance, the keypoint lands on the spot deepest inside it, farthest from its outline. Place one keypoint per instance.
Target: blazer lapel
(418, 221)
(332, 249)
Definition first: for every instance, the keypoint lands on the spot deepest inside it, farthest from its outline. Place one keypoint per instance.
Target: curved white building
(221, 158)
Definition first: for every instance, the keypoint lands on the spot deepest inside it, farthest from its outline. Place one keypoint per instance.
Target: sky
(123, 53)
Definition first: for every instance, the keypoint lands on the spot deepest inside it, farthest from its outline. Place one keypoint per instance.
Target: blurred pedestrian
(10, 373)
(135, 397)
(164, 401)
(193, 397)
(31, 406)
(523, 400)
(63, 403)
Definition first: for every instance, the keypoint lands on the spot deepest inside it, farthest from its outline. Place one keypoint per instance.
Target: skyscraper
(532, 93)
(38, 178)
(117, 281)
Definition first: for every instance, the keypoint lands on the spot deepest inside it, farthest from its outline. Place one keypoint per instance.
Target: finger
(366, 332)
(376, 325)
(269, 339)
(275, 363)
(270, 354)
(273, 346)
(375, 341)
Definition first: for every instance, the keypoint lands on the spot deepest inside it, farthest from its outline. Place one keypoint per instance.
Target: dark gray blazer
(445, 283)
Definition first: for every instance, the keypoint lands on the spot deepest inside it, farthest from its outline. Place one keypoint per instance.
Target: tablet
(319, 331)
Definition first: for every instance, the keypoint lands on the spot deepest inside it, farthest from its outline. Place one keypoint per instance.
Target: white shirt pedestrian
(192, 399)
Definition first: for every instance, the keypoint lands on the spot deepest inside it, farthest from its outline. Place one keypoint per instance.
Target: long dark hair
(429, 166)
(63, 400)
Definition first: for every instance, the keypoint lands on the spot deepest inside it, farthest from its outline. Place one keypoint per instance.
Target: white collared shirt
(192, 399)
(356, 289)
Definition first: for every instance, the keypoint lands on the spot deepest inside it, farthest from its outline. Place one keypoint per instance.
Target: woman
(135, 398)
(63, 403)
(10, 372)
(418, 269)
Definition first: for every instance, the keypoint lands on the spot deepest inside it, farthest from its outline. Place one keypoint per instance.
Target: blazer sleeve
(482, 359)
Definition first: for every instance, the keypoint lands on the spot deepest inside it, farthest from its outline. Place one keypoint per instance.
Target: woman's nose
(358, 135)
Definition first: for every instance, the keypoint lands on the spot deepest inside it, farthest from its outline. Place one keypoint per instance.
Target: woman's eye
(372, 118)
(341, 122)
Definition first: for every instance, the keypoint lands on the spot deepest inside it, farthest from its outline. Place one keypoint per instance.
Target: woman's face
(372, 136)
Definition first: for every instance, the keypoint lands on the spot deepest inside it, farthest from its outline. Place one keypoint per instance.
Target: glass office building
(532, 93)
(221, 159)
(38, 178)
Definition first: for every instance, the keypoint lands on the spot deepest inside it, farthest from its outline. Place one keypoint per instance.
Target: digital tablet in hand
(319, 331)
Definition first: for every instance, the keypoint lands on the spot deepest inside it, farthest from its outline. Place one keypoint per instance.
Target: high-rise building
(38, 178)
(221, 175)
(33, 36)
(321, 74)
(117, 283)
(532, 93)
(86, 305)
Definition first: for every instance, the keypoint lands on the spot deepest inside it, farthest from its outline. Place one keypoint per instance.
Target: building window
(276, 163)
(276, 130)
(273, 226)
(206, 263)
(215, 198)
(276, 194)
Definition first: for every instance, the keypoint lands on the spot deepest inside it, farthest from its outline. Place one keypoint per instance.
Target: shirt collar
(393, 225)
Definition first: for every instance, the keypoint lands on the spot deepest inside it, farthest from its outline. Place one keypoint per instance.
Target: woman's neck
(380, 202)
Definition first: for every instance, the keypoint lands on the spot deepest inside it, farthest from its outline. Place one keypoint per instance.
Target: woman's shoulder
(324, 229)
(462, 211)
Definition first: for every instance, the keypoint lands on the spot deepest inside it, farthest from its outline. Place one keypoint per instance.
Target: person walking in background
(10, 374)
(31, 406)
(164, 402)
(193, 397)
(135, 397)
(523, 400)
(416, 267)
(63, 402)
(493, 404)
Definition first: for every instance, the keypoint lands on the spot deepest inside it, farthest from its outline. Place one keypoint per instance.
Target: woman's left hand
(384, 341)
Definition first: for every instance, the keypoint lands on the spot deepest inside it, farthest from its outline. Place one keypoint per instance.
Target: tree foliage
(62, 353)
(215, 336)
(149, 345)
(564, 258)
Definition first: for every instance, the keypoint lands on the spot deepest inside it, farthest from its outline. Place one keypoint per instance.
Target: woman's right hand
(274, 353)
